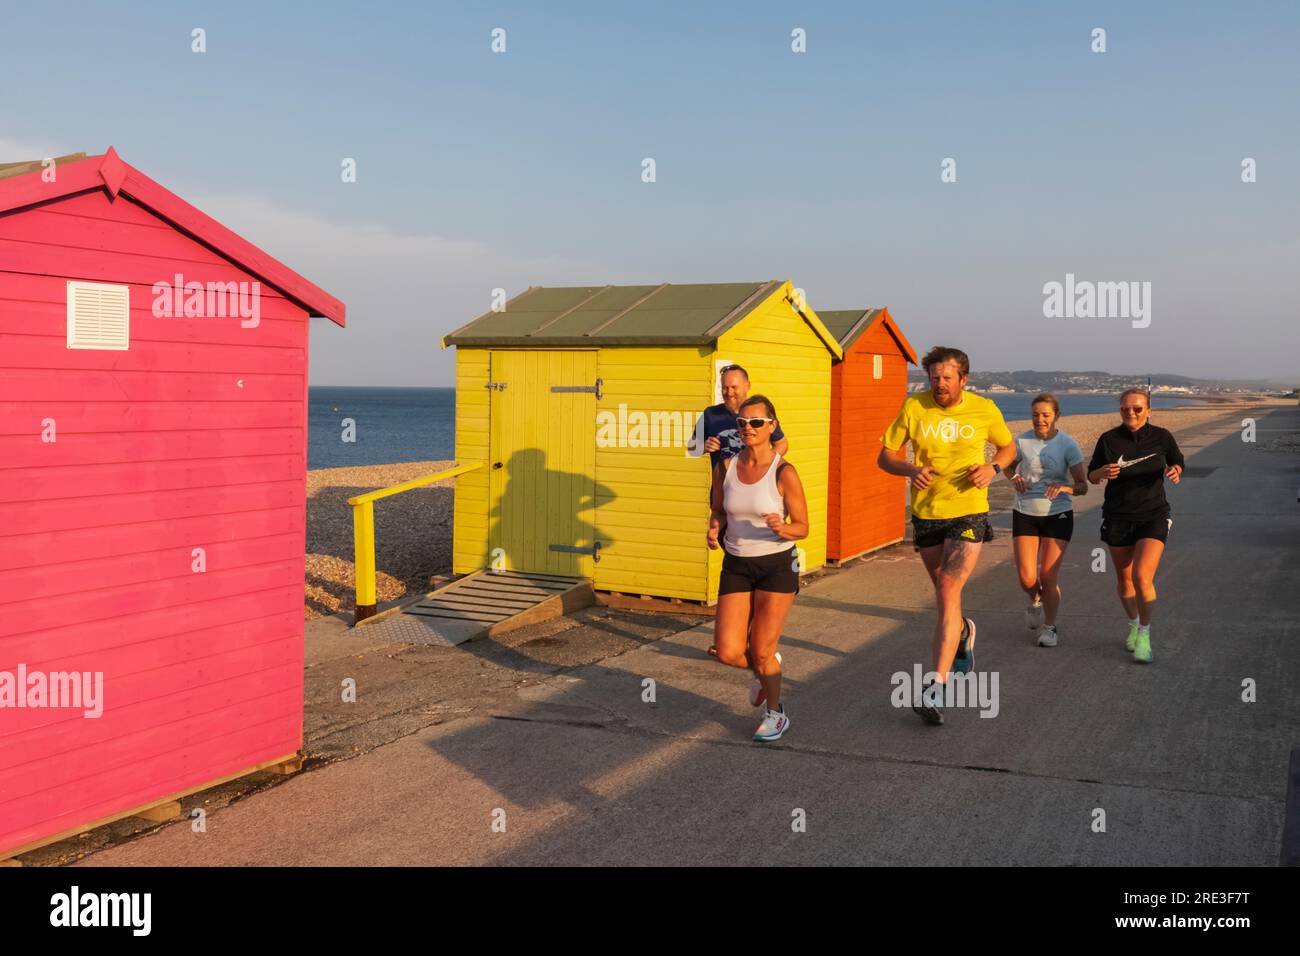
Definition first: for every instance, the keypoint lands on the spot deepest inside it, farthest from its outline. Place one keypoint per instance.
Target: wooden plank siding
(545, 440)
(196, 436)
(652, 499)
(866, 507)
(652, 503)
(473, 431)
(789, 364)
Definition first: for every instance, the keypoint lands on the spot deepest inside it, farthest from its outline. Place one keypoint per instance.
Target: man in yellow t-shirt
(947, 427)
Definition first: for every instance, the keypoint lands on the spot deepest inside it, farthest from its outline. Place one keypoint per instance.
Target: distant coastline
(393, 425)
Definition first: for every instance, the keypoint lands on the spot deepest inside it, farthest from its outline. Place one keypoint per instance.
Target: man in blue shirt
(721, 440)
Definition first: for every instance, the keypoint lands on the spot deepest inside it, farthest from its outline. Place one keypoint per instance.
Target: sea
(394, 425)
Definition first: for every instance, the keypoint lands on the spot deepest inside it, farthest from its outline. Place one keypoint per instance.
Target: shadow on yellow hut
(581, 406)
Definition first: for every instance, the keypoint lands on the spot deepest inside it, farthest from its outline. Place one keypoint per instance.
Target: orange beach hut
(866, 508)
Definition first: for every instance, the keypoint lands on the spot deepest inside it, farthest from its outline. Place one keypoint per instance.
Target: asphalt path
(579, 767)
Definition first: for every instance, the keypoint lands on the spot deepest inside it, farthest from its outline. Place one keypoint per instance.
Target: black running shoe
(929, 712)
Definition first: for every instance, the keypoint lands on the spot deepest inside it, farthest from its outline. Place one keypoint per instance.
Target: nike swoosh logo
(1132, 461)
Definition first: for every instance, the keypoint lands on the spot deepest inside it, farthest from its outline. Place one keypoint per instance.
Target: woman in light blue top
(1047, 473)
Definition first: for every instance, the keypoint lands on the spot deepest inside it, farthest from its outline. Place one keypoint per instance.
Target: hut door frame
(543, 493)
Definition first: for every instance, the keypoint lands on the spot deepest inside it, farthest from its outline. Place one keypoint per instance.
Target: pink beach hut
(153, 435)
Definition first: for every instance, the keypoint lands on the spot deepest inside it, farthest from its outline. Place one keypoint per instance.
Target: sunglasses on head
(754, 423)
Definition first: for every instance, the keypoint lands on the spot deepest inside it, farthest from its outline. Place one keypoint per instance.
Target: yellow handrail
(363, 534)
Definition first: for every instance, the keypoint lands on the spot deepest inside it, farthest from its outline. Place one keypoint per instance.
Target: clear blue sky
(478, 170)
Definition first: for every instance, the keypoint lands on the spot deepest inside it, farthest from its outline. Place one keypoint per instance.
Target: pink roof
(111, 174)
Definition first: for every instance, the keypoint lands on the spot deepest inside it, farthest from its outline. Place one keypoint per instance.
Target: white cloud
(18, 151)
(403, 291)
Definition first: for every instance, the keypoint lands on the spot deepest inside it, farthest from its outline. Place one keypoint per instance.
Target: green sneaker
(1130, 642)
(1142, 648)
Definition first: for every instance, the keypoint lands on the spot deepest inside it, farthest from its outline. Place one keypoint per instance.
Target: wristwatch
(997, 469)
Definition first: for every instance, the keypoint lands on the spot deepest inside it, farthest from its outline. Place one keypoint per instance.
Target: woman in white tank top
(754, 494)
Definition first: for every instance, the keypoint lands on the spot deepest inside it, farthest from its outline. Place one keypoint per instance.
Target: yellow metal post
(363, 532)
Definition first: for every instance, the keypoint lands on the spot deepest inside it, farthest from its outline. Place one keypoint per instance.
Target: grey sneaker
(1047, 636)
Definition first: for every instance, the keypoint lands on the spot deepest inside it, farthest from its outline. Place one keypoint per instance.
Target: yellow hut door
(543, 456)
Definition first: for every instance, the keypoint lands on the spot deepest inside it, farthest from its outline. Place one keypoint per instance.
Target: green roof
(848, 325)
(616, 315)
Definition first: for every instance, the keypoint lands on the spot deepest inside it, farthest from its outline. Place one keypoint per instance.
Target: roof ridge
(763, 291)
(111, 173)
(619, 315)
(856, 328)
(597, 315)
(573, 308)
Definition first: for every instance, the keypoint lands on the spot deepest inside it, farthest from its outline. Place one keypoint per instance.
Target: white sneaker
(775, 723)
(1047, 636)
(1034, 614)
(756, 695)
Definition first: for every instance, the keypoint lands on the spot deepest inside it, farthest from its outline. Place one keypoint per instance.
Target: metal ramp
(482, 603)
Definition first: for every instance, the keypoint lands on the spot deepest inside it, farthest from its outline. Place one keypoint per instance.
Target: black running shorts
(1059, 526)
(767, 572)
(1124, 532)
(927, 532)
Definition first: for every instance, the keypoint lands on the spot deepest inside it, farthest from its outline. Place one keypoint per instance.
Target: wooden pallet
(155, 811)
(658, 605)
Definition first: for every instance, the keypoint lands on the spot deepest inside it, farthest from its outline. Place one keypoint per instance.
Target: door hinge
(581, 388)
(497, 386)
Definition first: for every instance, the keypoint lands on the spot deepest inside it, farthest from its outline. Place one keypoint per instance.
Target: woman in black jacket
(1134, 460)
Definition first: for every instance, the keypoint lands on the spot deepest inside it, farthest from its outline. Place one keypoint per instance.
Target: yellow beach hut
(582, 406)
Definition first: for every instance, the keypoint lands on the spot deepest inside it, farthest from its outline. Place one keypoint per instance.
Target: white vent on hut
(99, 316)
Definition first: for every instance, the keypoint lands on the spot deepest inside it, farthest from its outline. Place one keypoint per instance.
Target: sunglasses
(1133, 408)
(753, 422)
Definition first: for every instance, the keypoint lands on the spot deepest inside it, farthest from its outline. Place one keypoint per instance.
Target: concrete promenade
(549, 730)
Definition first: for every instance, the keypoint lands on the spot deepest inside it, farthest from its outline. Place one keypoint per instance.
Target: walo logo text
(215, 300)
(638, 429)
(973, 689)
(1098, 300)
(81, 690)
(947, 430)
